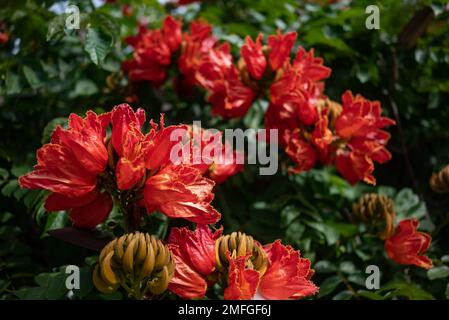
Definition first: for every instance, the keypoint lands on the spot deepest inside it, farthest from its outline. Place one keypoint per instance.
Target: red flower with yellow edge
(286, 277)
(407, 245)
(310, 68)
(137, 151)
(280, 47)
(153, 50)
(129, 144)
(228, 95)
(361, 138)
(194, 255)
(242, 282)
(253, 56)
(69, 167)
(301, 152)
(276, 53)
(207, 152)
(180, 191)
(195, 46)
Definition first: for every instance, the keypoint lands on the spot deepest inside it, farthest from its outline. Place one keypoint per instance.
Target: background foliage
(46, 72)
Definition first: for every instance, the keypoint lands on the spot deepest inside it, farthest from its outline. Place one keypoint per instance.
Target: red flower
(302, 153)
(181, 191)
(290, 89)
(311, 68)
(130, 145)
(194, 255)
(226, 167)
(287, 276)
(196, 45)
(408, 246)
(69, 165)
(152, 52)
(280, 46)
(228, 95)
(322, 137)
(359, 126)
(215, 160)
(242, 282)
(253, 56)
(4, 37)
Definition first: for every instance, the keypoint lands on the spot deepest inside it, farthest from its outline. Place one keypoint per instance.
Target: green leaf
(4, 175)
(343, 295)
(405, 289)
(32, 78)
(50, 127)
(31, 293)
(10, 188)
(331, 234)
(53, 284)
(447, 291)
(18, 171)
(97, 45)
(55, 220)
(12, 83)
(324, 266)
(84, 87)
(328, 285)
(56, 27)
(5, 217)
(347, 267)
(438, 272)
(370, 295)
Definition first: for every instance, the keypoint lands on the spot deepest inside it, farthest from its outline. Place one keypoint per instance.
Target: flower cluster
(156, 50)
(87, 170)
(311, 127)
(247, 269)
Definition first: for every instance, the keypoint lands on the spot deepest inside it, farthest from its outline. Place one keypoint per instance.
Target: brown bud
(376, 211)
(138, 262)
(333, 109)
(239, 244)
(439, 182)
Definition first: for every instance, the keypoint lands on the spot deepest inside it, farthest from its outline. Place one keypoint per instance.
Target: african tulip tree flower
(69, 167)
(228, 95)
(407, 245)
(196, 44)
(286, 277)
(214, 158)
(137, 151)
(180, 191)
(153, 50)
(194, 254)
(250, 270)
(362, 140)
(85, 170)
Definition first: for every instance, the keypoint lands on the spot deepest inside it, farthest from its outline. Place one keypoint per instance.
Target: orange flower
(408, 246)
(194, 254)
(153, 50)
(359, 127)
(69, 166)
(287, 276)
(181, 191)
(253, 56)
(242, 282)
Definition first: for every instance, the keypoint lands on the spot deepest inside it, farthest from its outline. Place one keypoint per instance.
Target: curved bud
(138, 262)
